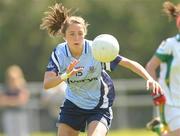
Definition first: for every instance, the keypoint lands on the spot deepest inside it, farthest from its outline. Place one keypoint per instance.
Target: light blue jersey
(92, 87)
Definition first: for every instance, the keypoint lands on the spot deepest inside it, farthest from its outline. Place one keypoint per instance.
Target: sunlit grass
(132, 132)
(126, 132)
(129, 132)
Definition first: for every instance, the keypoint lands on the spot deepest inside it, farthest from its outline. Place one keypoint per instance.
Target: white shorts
(172, 115)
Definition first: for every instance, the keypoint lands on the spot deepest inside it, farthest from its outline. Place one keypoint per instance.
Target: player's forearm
(51, 79)
(52, 82)
(136, 68)
(140, 70)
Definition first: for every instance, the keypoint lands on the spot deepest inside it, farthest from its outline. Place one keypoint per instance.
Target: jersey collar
(178, 37)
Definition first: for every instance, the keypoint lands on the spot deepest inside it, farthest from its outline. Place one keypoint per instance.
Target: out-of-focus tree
(21, 40)
(139, 25)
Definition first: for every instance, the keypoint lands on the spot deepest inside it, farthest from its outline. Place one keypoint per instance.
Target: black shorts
(79, 118)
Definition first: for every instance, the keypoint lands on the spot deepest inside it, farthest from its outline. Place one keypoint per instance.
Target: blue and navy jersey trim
(53, 63)
(66, 50)
(86, 47)
(112, 65)
(110, 88)
(115, 62)
(101, 96)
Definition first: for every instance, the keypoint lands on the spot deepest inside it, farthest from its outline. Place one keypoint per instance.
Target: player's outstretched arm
(140, 70)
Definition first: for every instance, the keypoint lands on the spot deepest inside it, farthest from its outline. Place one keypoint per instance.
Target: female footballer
(167, 57)
(90, 91)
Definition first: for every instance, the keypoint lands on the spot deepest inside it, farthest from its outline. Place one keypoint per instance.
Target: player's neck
(76, 53)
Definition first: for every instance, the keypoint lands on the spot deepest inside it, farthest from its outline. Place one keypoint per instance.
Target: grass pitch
(126, 132)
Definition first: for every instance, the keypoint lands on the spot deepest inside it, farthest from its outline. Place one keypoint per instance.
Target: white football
(105, 48)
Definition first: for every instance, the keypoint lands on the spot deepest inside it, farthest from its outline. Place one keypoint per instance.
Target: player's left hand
(156, 88)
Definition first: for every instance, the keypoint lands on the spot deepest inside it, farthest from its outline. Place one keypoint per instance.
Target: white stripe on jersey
(108, 66)
(55, 61)
(105, 98)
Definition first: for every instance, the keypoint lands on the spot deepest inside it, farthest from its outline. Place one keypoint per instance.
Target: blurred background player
(13, 98)
(90, 91)
(167, 57)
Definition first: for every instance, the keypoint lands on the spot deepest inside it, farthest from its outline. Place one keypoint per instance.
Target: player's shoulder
(170, 41)
(88, 42)
(173, 39)
(61, 48)
(88, 45)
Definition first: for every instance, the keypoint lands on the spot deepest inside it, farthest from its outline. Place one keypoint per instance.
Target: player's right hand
(154, 86)
(71, 70)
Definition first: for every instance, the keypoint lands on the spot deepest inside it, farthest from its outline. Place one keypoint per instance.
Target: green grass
(132, 132)
(127, 132)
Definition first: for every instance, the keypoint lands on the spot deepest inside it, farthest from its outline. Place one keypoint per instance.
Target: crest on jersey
(91, 69)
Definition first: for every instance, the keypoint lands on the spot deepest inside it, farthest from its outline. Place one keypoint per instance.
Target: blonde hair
(15, 69)
(171, 10)
(58, 19)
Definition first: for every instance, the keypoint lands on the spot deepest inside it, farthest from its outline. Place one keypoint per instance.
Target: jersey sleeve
(53, 64)
(110, 66)
(164, 51)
